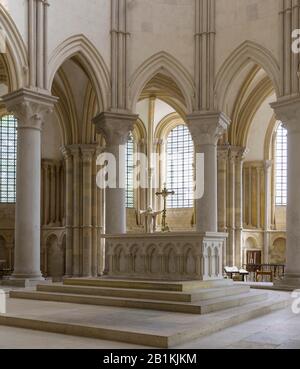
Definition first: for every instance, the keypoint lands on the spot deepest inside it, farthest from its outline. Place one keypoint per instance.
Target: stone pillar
(239, 204)
(231, 208)
(76, 211)
(69, 210)
(31, 109)
(268, 208)
(87, 152)
(223, 152)
(288, 111)
(115, 127)
(206, 128)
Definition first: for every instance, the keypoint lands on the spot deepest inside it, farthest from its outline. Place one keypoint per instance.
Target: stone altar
(166, 256)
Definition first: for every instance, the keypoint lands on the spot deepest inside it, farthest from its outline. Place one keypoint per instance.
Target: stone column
(231, 208)
(31, 109)
(288, 111)
(87, 152)
(268, 208)
(76, 211)
(69, 210)
(223, 152)
(239, 204)
(206, 128)
(115, 127)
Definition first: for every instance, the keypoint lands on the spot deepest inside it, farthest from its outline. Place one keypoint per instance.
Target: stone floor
(278, 330)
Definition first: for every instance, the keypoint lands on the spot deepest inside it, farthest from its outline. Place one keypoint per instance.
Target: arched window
(281, 166)
(130, 172)
(8, 158)
(180, 173)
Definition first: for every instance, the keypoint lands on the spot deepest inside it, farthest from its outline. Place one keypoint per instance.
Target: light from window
(8, 158)
(130, 172)
(180, 172)
(281, 166)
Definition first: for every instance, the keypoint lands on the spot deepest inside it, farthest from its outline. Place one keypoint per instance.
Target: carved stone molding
(287, 110)
(176, 256)
(115, 127)
(30, 107)
(207, 127)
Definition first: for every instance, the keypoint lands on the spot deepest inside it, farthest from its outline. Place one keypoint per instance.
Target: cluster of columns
(52, 193)
(230, 200)
(83, 211)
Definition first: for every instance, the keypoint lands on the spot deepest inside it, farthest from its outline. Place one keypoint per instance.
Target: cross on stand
(165, 193)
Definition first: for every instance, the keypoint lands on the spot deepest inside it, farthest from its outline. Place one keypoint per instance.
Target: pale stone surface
(152, 321)
(173, 256)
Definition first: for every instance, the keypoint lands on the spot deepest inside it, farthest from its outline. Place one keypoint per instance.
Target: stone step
(194, 295)
(163, 330)
(202, 307)
(148, 285)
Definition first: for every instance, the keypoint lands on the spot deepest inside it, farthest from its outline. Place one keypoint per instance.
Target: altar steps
(148, 285)
(135, 326)
(214, 297)
(197, 295)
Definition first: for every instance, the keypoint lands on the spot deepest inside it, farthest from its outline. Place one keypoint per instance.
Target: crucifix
(165, 193)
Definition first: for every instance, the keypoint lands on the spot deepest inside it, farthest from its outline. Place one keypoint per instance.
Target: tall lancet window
(8, 158)
(180, 172)
(130, 172)
(281, 166)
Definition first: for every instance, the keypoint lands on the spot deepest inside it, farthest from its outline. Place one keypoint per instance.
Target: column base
(24, 281)
(290, 282)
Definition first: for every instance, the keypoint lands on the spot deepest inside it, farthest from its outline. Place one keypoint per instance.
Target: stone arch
(90, 59)
(190, 261)
(138, 259)
(251, 243)
(270, 138)
(121, 259)
(248, 51)
(55, 258)
(245, 111)
(165, 64)
(167, 124)
(154, 258)
(278, 251)
(16, 59)
(171, 259)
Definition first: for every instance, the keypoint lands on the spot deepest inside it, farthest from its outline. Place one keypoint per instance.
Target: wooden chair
(264, 274)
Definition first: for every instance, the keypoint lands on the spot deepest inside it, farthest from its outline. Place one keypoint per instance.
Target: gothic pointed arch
(80, 47)
(163, 64)
(15, 58)
(246, 53)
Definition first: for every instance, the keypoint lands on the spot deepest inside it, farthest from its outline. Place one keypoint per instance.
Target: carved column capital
(223, 152)
(287, 110)
(207, 127)
(87, 152)
(31, 108)
(268, 164)
(115, 126)
(238, 154)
